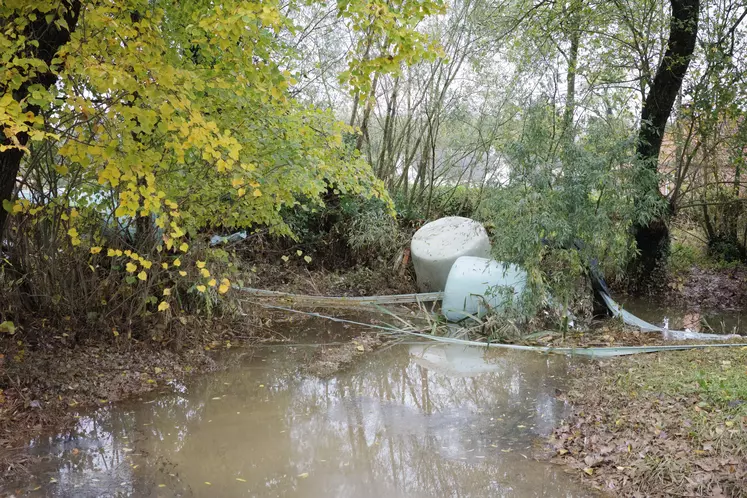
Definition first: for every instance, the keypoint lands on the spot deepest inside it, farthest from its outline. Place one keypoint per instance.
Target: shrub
(370, 231)
(75, 284)
(682, 257)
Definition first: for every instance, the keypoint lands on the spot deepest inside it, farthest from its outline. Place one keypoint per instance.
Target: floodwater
(411, 420)
(682, 317)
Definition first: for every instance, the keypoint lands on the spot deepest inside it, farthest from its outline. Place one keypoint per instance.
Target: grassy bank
(669, 424)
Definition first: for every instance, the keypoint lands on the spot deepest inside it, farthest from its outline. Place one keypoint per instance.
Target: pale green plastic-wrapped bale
(475, 285)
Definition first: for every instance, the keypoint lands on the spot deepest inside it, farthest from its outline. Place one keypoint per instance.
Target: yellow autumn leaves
(138, 266)
(178, 144)
(224, 286)
(74, 237)
(240, 185)
(299, 253)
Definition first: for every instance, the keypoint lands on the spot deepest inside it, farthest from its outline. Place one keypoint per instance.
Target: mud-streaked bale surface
(438, 244)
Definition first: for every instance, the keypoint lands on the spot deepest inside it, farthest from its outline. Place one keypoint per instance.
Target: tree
(652, 234)
(180, 116)
(33, 33)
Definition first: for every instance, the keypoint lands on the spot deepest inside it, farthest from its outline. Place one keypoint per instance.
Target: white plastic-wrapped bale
(476, 284)
(436, 246)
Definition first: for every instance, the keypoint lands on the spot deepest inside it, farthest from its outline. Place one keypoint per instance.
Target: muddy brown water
(412, 420)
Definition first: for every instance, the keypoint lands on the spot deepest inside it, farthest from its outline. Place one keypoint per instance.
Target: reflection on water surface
(410, 421)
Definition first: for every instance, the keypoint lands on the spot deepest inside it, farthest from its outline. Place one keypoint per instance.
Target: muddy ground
(328, 361)
(666, 424)
(711, 288)
(360, 280)
(700, 288)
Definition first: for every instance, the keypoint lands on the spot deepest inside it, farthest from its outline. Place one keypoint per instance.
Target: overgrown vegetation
(300, 122)
(131, 130)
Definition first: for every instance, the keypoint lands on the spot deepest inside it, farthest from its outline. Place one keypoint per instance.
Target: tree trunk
(382, 170)
(50, 38)
(367, 114)
(574, 15)
(653, 238)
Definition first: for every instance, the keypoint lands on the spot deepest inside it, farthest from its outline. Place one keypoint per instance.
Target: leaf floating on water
(240, 479)
(304, 475)
(161, 485)
(521, 426)
(216, 398)
(208, 483)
